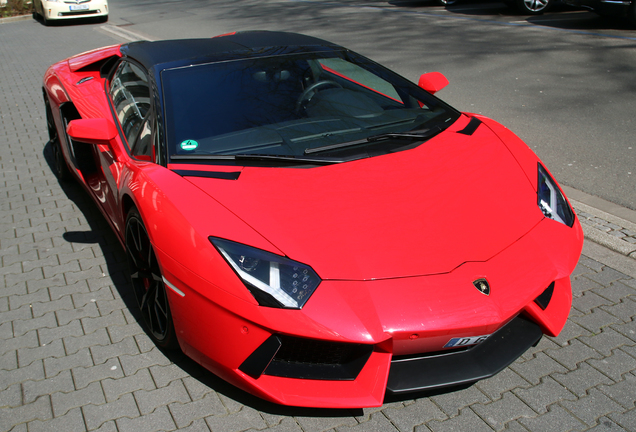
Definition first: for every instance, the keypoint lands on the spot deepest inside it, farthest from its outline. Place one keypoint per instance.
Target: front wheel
(534, 7)
(147, 283)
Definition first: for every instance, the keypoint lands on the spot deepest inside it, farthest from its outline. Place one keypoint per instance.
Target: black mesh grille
(318, 359)
(297, 350)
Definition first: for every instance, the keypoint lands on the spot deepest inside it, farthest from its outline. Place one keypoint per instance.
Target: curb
(605, 223)
(15, 18)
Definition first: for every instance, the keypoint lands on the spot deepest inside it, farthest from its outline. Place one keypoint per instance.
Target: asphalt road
(563, 81)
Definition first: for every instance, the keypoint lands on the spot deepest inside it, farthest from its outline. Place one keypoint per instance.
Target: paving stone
(101, 353)
(64, 402)
(34, 371)
(197, 389)
(63, 289)
(63, 332)
(616, 291)
(420, 412)
(535, 369)
(592, 406)
(246, 418)
(84, 376)
(38, 410)
(96, 415)
(583, 284)
(574, 353)
(15, 301)
(588, 301)
(53, 366)
(26, 356)
(119, 332)
(308, 424)
(616, 365)
(33, 389)
(452, 403)
(164, 375)
(11, 396)
(541, 396)
(71, 421)
(582, 380)
(623, 310)
(623, 392)
(626, 420)
(115, 388)
(502, 382)
(132, 363)
(20, 327)
(502, 411)
(557, 419)
(286, 425)
(160, 419)
(188, 412)
(93, 324)
(467, 420)
(65, 316)
(74, 344)
(198, 426)
(596, 320)
(377, 423)
(608, 275)
(607, 341)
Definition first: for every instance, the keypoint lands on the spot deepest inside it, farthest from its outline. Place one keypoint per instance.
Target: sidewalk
(74, 358)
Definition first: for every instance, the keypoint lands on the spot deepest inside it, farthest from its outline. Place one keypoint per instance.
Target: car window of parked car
(130, 93)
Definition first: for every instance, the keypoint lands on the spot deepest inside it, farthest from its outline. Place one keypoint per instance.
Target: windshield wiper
(420, 134)
(291, 160)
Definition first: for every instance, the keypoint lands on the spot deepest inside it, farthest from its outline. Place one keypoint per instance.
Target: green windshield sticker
(189, 145)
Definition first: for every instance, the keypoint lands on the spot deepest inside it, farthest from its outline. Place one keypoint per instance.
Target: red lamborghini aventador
(309, 225)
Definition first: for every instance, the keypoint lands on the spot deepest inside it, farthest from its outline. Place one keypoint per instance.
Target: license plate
(465, 341)
(78, 7)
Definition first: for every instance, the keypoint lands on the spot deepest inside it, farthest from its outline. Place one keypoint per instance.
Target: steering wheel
(310, 91)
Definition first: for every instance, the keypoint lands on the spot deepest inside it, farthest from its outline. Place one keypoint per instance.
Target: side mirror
(93, 131)
(432, 82)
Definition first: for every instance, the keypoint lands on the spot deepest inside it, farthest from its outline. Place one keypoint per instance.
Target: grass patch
(16, 8)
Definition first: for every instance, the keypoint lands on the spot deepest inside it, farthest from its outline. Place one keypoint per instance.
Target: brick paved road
(73, 358)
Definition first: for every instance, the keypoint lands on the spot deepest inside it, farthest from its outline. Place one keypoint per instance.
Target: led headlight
(551, 201)
(273, 280)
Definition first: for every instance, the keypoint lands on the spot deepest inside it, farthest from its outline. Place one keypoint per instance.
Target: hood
(456, 198)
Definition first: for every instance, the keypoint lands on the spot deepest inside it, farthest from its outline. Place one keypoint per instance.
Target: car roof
(178, 52)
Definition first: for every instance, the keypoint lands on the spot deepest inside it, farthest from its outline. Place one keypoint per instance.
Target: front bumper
(62, 11)
(399, 326)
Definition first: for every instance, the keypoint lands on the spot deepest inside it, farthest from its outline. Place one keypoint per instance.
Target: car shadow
(101, 234)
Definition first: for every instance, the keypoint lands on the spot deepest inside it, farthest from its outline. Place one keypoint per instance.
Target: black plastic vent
(544, 299)
(293, 357)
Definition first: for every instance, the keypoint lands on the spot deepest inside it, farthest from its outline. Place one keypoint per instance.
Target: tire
(534, 7)
(147, 283)
(60, 168)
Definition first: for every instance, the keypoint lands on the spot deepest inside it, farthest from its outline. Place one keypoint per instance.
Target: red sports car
(307, 224)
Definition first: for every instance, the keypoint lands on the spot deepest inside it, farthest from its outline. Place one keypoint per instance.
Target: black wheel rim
(146, 280)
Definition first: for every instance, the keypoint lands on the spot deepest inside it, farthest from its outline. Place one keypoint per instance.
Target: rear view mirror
(432, 82)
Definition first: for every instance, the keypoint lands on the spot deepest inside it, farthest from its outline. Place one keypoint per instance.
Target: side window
(130, 93)
(143, 146)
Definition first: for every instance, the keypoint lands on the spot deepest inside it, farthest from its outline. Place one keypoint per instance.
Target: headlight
(551, 201)
(273, 280)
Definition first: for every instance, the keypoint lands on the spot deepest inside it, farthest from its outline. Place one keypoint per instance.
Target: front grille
(83, 12)
(311, 351)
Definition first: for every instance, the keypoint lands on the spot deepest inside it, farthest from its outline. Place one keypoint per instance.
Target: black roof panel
(191, 51)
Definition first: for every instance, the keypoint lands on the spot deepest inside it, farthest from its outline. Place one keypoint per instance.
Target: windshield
(291, 106)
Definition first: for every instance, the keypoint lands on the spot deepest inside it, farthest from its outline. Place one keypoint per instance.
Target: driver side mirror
(432, 82)
(93, 131)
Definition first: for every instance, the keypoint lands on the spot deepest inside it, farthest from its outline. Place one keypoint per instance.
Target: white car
(53, 10)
